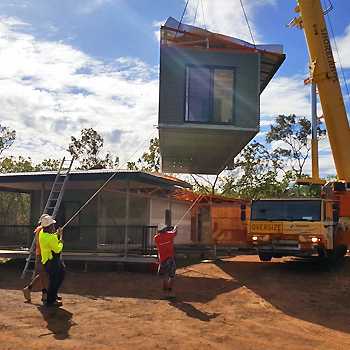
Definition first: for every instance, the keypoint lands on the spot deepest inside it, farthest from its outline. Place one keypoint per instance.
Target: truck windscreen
(286, 210)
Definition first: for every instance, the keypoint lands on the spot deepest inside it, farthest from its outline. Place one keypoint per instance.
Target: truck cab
(311, 218)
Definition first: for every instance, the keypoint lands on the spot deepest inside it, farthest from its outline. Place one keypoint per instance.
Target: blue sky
(73, 64)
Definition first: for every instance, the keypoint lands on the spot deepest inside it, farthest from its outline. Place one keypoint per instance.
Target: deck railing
(98, 239)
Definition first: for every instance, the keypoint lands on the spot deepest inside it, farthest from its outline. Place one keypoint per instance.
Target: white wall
(158, 206)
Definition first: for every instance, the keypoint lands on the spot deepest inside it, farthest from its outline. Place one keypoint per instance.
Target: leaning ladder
(51, 207)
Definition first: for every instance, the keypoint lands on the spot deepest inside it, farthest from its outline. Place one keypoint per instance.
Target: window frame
(212, 68)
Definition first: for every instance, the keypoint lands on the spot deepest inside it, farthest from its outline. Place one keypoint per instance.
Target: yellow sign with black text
(266, 227)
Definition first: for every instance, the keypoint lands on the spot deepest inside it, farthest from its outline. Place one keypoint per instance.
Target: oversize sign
(266, 227)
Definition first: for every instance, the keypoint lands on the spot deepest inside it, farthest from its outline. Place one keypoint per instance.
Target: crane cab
(210, 87)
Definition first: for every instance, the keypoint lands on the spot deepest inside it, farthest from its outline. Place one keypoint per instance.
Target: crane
(315, 217)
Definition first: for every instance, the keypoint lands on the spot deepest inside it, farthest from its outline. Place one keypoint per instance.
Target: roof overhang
(87, 179)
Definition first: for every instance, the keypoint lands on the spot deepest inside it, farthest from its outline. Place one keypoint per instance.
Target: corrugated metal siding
(173, 62)
(188, 150)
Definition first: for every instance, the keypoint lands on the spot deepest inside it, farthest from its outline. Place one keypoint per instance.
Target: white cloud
(285, 96)
(343, 44)
(157, 24)
(50, 91)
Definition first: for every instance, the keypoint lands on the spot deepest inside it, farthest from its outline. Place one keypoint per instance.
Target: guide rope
(107, 181)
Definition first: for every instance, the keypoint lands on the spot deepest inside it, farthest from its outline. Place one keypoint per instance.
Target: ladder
(51, 207)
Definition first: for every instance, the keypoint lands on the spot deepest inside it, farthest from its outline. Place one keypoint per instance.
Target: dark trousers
(56, 271)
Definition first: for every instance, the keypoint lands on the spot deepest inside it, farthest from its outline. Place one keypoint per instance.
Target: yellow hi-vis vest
(48, 244)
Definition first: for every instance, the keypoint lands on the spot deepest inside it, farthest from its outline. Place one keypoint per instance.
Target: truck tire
(321, 253)
(265, 256)
(341, 250)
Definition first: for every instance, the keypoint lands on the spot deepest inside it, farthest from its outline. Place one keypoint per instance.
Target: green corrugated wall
(173, 63)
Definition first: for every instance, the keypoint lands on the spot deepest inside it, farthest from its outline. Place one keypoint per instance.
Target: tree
(254, 175)
(294, 134)
(87, 150)
(149, 161)
(15, 207)
(7, 138)
(12, 165)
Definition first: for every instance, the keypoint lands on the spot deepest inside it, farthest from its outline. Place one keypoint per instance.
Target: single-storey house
(120, 221)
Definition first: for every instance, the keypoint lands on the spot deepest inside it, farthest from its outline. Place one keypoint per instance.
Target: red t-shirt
(165, 245)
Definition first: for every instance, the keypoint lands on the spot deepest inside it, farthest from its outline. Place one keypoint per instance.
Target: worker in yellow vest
(41, 275)
(51, 246)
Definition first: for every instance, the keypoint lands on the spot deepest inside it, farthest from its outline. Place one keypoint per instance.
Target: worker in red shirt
(167, 267)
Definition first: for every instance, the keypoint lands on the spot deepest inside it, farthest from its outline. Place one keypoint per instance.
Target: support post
(170, 206)
(127, 215)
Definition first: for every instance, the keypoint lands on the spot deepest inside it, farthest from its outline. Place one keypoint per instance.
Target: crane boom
(323, 73)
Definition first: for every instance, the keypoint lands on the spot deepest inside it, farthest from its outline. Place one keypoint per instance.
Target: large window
(210, 95)
(286, 210)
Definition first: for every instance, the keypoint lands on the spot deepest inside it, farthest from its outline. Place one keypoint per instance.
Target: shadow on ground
(100, 284)
(59, 321)
(304, 289)
(309, 290)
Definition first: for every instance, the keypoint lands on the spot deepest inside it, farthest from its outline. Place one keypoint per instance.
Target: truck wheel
(265, 256)
(341, 251)
(321, 253)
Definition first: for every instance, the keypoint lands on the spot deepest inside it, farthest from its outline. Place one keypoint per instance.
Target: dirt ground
(234, 303)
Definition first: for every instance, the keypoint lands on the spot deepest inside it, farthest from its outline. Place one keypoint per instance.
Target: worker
(40, 274)
(51, 246)
(167, 267)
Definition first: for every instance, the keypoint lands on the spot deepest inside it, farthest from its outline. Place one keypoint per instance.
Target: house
(209, 96)
(127, 210)
(120, 221)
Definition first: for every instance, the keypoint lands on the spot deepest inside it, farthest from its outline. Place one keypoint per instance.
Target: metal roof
(95, 177)
(177, 34)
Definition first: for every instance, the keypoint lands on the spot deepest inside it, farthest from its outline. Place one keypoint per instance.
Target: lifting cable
(195, 15)
(183, 13)
(246, 18)
(336, 46)
(104, 185)
(205, 27)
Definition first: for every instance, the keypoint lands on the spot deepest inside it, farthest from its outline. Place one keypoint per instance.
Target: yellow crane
(314, 218)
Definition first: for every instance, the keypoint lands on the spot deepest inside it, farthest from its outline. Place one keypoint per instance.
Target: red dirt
(236, 303)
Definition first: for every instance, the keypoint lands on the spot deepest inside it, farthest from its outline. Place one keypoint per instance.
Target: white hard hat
(41, 217)
(161, 227)
(47, 221)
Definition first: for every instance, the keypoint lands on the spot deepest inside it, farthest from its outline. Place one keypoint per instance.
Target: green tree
(15, 207)
(294, 133)
(254, 174)
(205, 184)
(12, 165)
(87, 150)
(149, 161)
(7, 138)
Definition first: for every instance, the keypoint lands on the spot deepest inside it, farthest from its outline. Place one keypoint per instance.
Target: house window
(210, 95)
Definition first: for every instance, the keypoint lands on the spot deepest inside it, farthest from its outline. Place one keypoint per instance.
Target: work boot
(171, 295)
(26, 293)
(55, 303)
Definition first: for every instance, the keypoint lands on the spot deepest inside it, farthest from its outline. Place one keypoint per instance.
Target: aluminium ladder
(51, 207)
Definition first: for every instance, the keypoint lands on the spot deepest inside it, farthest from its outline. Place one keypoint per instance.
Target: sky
(67, 65)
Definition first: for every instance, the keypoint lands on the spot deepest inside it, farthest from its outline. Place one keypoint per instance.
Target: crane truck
(314, 216)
